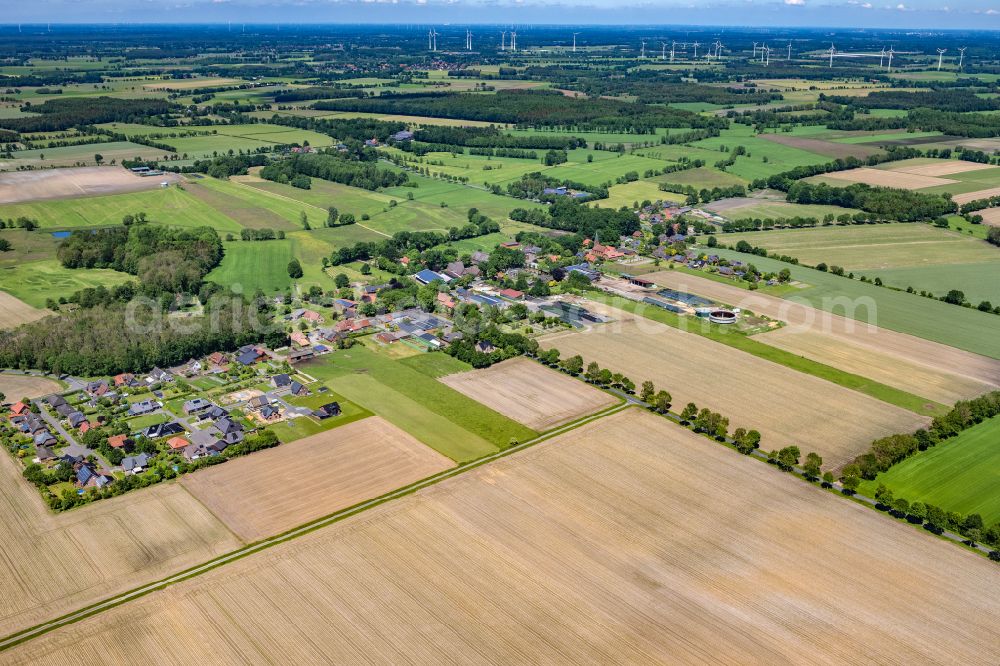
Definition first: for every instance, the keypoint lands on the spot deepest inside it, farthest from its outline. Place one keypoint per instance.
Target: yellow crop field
(275, 490)
(14, 311)
(55, 563)
(530, 393)
(786, 406)
(16, 387)
(926, 368)
(629, 540)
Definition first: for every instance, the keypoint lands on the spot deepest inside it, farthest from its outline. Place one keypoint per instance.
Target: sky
(909, 14)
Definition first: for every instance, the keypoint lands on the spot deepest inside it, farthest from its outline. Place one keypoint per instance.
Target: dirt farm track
(21, 186)
(628, 540)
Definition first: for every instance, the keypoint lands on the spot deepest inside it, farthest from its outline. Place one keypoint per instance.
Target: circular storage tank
(722, 317)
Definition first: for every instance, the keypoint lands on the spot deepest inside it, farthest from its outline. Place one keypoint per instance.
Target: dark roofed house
(162, 430)
(76, 418)
(97, 388)
(142, 407)
(485, 347)
(214, 412)
(135, 464)
(298, 355)
(327, 410)
(158, 376)
(229, 430)
(402, 135)
(281, 381)
(207, 438)
(270, 413)
(43, 453)
(248, 357)
(427, 276)
(64, 410)
(195, 405)
(55, 400)
(44, 439)
(258, 402)
(299, 389)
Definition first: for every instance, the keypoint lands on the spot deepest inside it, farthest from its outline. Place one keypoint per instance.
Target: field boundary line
(30, 633)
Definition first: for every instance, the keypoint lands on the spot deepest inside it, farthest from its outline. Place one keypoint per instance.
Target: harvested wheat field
(55, 563)
(786, 406)
(883, 178)
(942, 168)
(20, 186)
(955, 366)
(16, 387)
(14, 311)
(978, 194)
(991, 216)
(620, 542)
(275, 490)
(901, 373)
(821, 146)
(530, 393)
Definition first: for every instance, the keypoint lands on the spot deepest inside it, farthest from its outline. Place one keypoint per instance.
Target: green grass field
(778, 157)
(702, 177)
(288, 431)
(907, 313)
(171, 206)
(961, 474)
(437, 415)
(255, 265)
(763, 208)
(902, 255)
(38, 281)
(637, 192)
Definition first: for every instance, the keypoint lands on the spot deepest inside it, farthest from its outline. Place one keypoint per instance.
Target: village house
(120, 442)
(196, 405)
(327, 410)
(136, 464)
(158, 376)
(125, 379)
(298, 389)
(228, 430)
(299, 338)
(159, 430)
(280, 381)
(96, 389)
(55, 400)
(142, 407)
(298, 355)
(19, 408)
(177, 443)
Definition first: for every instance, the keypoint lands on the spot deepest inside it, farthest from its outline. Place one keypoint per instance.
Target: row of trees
(335, 168)
(937, 519)
(884, 203)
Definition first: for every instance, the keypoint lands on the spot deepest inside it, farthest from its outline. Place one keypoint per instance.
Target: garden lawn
(961, 474)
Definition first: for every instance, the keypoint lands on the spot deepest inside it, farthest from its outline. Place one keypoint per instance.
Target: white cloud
(795, 2)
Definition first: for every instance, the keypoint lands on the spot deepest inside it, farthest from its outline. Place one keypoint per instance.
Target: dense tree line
(585, 221)
(532, 108)
(163, 258)
(491, 137)
(533, 185)
(317, 92)
(883, 202)
(506, 345)
(705, 194)
(402, 242)
(887, 451)
(106, 340)
(782, 181)
(955, 99)
(335, 168)
(357, 129)
(60, 114)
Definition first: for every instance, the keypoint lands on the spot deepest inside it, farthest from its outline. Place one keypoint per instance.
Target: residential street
(74, 448)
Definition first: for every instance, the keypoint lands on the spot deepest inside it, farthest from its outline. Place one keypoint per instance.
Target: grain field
(14, 311)
(530, 393)
(55, 563)
(942, 168)
(786, 406)
(629, 540)
(16, 387)
(883, 178)
(275, 490)
(956, 372)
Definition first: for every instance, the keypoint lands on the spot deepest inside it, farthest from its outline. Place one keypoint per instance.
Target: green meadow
(952, 325)
(414, 400)
(37, 281)
(961, 474)
(255, 265)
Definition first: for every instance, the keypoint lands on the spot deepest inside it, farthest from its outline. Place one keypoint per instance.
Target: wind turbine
(673, 45)
(574, 41)
(513, 41)
(430, 39)
(696, 45)
(881, 57)
(754, 51)
(789, 57)
(891, 52)
(718, 49)
(503, 40)
(642, 53)
(663, 50)
(833, 50)
(940, 57)
(468, 40)
(961, 55)
(763, 48)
